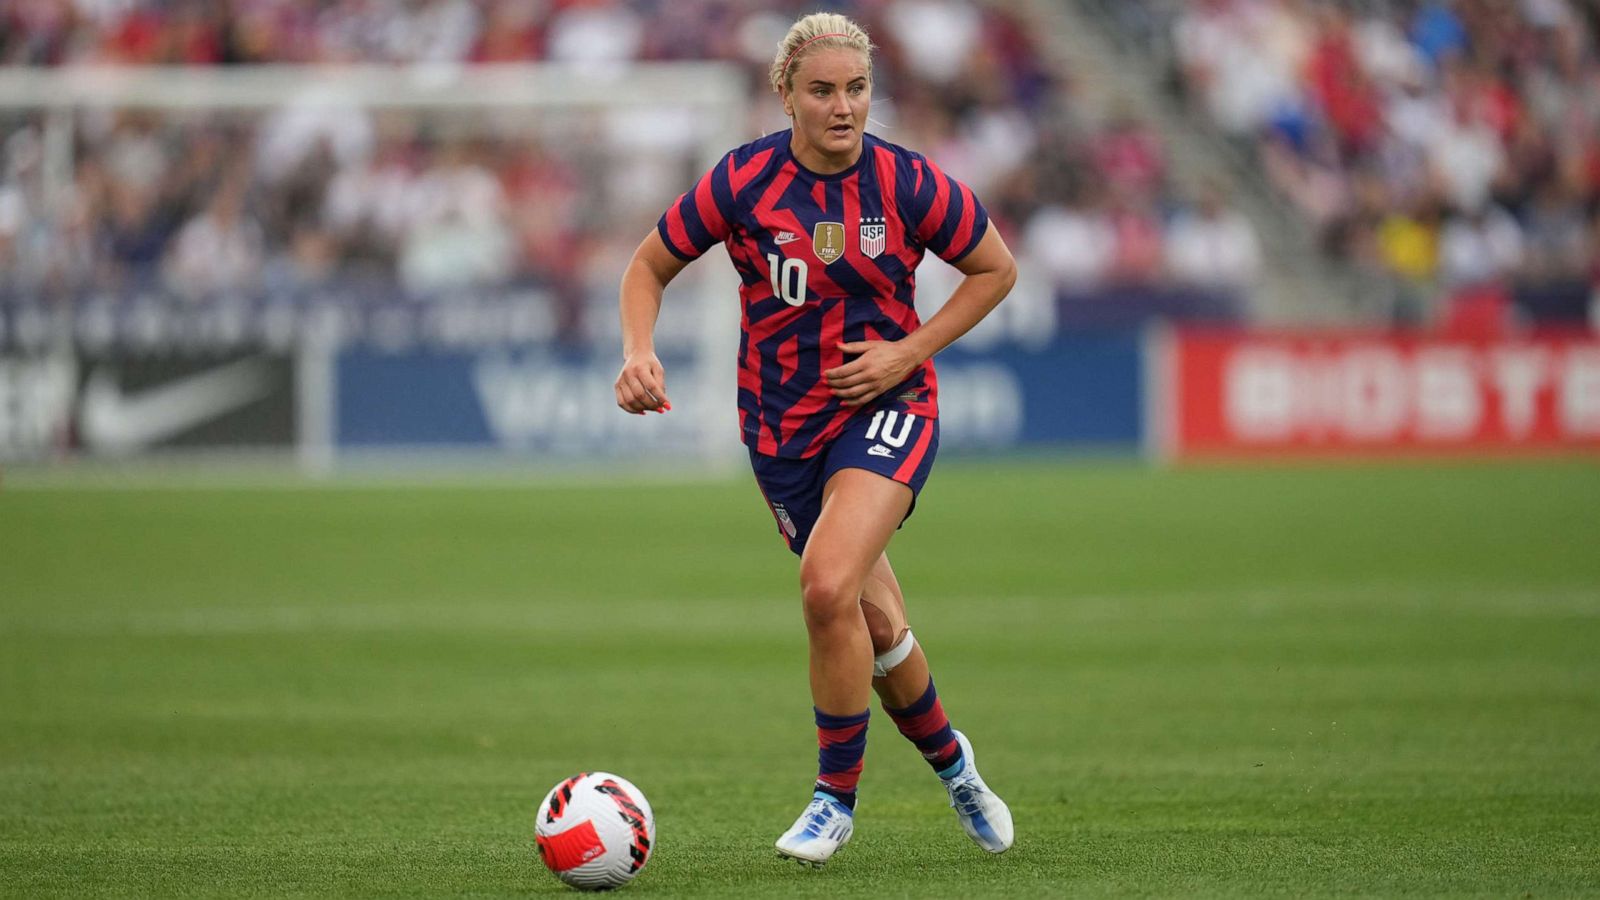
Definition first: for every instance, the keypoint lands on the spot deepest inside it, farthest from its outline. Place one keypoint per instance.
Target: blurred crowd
(205, 202)
(1451, 144)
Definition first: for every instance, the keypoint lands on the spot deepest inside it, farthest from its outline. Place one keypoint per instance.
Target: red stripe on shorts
(907, 468)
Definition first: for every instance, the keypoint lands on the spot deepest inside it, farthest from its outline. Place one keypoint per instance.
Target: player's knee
(884, 633)
(827, 598)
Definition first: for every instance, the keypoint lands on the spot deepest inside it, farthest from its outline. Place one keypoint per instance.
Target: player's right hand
(642, 385)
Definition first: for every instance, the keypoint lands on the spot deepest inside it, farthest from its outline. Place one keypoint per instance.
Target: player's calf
(923, 722)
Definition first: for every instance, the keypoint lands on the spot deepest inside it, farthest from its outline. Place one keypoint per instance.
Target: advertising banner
(539, 400)
(1264, 394)
(530, 400)
(1080, 390)
(117, 403)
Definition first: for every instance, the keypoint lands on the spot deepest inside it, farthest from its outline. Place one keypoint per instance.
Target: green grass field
(1375, 680)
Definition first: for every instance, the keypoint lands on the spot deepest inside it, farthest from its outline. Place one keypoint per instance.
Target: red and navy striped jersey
(823, 259)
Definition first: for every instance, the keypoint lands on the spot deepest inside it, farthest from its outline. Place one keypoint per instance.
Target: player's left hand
(880, 366)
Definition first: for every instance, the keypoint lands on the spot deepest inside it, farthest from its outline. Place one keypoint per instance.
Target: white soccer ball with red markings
(595, 831)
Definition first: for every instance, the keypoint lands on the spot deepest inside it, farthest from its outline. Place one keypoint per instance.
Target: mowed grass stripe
(1225, 682)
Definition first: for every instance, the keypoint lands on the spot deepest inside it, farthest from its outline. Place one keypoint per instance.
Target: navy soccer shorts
(893, 443)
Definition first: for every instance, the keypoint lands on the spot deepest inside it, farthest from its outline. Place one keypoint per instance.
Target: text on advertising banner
(1255, 394)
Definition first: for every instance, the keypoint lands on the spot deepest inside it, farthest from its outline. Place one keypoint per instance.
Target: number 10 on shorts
(885, 419)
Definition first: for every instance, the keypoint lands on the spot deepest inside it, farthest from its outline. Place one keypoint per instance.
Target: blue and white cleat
(984, 816)
(819, 832)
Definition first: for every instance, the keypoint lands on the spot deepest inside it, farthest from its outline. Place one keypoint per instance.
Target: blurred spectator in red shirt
(1341, 87)
(1128, 153)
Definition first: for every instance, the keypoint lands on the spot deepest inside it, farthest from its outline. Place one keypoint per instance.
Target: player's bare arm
(642, 383)
(990, 272)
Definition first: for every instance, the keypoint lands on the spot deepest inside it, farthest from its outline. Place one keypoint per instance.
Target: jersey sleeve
(946, 216)
(699, 219)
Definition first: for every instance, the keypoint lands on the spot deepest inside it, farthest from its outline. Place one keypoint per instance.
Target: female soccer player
(837, 396)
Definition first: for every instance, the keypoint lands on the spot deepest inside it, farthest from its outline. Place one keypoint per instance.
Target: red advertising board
(1240, 394)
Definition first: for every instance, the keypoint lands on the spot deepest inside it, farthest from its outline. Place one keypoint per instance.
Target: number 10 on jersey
(788, 278)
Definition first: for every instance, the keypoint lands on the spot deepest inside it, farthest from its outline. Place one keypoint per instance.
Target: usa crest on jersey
(872, 237)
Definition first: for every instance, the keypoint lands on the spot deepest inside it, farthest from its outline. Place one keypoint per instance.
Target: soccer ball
(595, 831)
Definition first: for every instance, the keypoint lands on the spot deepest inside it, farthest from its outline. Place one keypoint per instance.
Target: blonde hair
(816, 31)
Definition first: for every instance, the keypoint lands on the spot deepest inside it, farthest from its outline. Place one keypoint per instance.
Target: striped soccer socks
(841, 746)
(925, 724)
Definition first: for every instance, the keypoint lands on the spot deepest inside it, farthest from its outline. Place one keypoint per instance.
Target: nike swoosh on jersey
(785, 237)
(113, 422)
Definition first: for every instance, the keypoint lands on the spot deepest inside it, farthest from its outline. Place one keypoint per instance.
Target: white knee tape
(884, 663)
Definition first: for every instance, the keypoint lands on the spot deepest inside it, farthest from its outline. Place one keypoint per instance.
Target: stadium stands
(1451, 144)
(198, 204)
